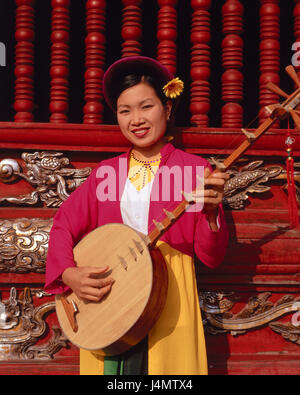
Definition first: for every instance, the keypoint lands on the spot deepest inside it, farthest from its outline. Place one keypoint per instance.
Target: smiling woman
(143, 118)
(139, 91)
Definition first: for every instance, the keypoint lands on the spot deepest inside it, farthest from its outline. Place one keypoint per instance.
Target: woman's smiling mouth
(140, 132)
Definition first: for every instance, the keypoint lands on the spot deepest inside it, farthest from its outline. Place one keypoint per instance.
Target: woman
(141, 90)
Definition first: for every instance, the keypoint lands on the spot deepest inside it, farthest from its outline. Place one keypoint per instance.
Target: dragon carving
(52, 180)
(251, 178)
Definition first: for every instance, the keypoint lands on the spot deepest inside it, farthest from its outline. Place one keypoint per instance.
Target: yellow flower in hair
(173, 88)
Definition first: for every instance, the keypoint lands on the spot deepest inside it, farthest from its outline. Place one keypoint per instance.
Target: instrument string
(234, 141)
(127, 257)
(113, 268)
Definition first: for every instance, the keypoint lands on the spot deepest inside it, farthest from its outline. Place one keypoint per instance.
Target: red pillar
(269, 54)
(24, 66)
(131, 28)
(232, 61)
(94, 61)
(200, 63)
(167, 34)
(59, 70)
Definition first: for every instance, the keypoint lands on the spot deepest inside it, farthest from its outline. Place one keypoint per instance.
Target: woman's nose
(137, 118)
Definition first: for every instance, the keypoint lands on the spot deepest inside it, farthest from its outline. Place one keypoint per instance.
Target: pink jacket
(82, 212)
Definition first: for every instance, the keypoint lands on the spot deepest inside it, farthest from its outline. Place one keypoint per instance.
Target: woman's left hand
(210, 194)
(214, 183)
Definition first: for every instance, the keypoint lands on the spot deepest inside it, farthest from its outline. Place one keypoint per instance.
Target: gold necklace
(145, 162)
(145, 166)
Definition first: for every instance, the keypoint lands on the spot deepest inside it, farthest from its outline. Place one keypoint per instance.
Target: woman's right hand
(88, 283)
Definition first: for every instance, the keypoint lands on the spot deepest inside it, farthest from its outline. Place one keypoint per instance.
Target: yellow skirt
(176, 344)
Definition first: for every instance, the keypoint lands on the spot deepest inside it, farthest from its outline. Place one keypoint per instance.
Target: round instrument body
(125, 315)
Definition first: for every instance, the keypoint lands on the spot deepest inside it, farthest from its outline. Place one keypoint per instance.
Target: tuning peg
(169, 214)
(189, 197)
(250, 136)
(275, 89)
(295, 117)
(272, 107)
(292, 73)
(219, 165)
(159, 225)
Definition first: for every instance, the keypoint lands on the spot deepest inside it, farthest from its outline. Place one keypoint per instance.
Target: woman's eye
(147, 106)
(123, 112)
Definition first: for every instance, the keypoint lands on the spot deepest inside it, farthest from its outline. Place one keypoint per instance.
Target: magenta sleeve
(210, 247)
(76, 217)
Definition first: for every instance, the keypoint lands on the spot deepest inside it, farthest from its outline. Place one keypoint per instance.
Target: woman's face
(141, 115)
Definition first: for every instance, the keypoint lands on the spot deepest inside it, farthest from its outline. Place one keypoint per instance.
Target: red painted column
(232, 61)
(200, 63)
(94, 61)
(269, 54)
(131, 28)
(24, 61)
(59, 70)
(167, 34)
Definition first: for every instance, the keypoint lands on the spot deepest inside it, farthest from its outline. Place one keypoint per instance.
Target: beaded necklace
(142, 173)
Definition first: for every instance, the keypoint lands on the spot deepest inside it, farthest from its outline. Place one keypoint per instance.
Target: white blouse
(135, 206)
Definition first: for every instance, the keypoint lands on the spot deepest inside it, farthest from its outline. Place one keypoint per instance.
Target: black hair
(131, 80)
